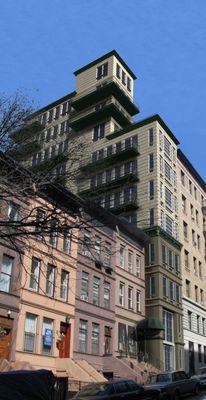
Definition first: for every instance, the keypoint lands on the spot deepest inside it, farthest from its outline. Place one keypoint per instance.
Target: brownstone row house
(77, 295)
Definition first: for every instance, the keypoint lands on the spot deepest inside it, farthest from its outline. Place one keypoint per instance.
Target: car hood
(157, 385)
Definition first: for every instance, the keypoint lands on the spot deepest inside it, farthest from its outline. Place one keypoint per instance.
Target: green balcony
(112, 88)
(107, 186)
(125, 206)
(125, 153)
(84, 120)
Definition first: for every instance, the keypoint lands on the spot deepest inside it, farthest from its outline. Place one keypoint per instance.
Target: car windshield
(160, 378)
(92, 390)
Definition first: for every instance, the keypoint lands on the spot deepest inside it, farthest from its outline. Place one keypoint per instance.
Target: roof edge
(182, 157)
(102, 58)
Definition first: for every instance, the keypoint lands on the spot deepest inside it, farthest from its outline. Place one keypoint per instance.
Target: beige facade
(192, 197)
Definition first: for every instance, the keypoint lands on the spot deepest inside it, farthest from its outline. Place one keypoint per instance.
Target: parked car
(117, 390)
(201, 376)
(174, 384)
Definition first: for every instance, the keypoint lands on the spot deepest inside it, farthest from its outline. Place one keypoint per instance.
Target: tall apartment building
(132, 170)
(192, 200)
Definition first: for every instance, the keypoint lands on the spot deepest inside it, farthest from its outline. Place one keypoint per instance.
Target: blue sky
(163, 41)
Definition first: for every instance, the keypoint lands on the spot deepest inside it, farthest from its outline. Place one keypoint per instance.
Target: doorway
(64, 344)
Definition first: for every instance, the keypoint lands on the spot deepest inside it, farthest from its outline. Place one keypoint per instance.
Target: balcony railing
(127, 151)
(93, 115)
(125, 204)
(109, 87)
(115, 182)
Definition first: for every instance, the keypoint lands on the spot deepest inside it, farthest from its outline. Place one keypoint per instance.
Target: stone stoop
(77, 370)
(121, 369)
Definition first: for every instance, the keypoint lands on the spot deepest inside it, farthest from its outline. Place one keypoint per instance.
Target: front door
(64, 343)
(5, 337)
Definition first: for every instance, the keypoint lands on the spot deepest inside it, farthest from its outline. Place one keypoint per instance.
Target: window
(151, 190)
(189, 319)
(203, 326)
(98, 132)
(195, 192)
(106, 295)
(138, 299)
(151, 216)
(123, 78)
(130, 298)
(85, 286)
(13, 212)
(198, 324)
(34, 276)
(162, 218)
(164, 255)
(152, 286)
(86, 244)
(164, 287)
(170, 259)
(122, 294)
(167, 147)
(151, 162)
(168, 326)
(197, 217)
(186, 258)
(199, 353)
(53, 233)
(184, 204)
(129, 84)
(201, 296)
(122, 257)
(190, 187)
(95, 338)
(196, 293)
(151, 137)
(118, 71)
(198, 242)
(95, 291)
(200, 269)
(102, 71)
(168, 172)
(47, 336)
(30, 332)
(138, 266)
(168, 198)
(6, 272)
(178, 294)
(107, 254)
(97, 247)
(151, 253)
(171, 291)
(185, 230)
(187, 287)
(177, 264)
(67, 242)
(82, 340)
(169, 225)
(130, 262)
(50, 280)
(108, 175)
(64, 285)
(195, 265)
(161, 164)
(121, 337)
(182, 178)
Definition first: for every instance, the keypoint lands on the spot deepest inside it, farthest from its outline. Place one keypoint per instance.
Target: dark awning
(150, 323)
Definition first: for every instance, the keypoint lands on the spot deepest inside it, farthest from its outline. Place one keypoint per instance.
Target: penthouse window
(118, 71)
(150, 137)
(167, 147)
(98, 132)
(102, 71)
(129, 84)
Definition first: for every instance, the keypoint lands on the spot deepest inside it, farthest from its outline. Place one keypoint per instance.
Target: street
(201, 396)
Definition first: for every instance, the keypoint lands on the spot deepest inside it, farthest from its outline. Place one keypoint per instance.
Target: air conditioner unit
(84, 297)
